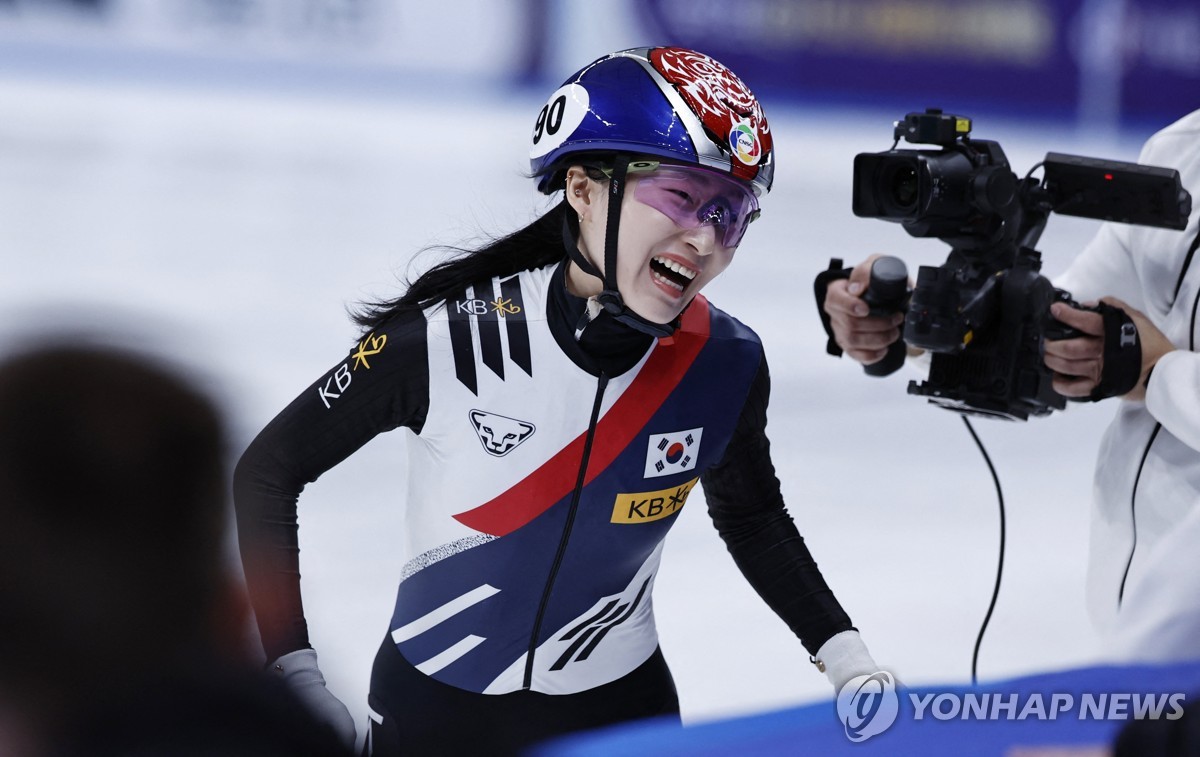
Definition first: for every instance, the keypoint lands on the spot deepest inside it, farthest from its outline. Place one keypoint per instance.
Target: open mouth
(671, 273)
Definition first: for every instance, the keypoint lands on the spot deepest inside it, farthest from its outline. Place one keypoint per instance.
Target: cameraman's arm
(863, 337)
(1105, 268)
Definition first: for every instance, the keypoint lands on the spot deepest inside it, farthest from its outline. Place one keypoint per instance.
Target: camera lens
(902, 187)
(893, 185)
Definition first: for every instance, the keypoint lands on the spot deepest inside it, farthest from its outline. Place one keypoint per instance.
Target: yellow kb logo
(643, 507)
(375, 347)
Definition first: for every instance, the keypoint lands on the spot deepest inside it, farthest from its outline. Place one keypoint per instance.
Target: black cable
(1187, 262)
(1192, 323)
(1133, 512)
(1000, 565)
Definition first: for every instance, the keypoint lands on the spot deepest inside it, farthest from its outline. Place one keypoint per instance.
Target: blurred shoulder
(1177, 145)
(723, 325)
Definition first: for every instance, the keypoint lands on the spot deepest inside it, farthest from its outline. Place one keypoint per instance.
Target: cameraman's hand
(1077, 363)
(864, 338)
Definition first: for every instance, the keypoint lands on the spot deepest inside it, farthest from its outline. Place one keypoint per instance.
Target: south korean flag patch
(672, 453)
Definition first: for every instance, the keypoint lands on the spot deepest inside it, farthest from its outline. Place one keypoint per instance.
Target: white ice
(231, 229)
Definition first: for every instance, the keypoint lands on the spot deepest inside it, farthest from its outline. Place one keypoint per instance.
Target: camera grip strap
(1122, 354)
(835, 272)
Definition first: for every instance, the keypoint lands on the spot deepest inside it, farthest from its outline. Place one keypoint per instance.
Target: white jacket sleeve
(1105, 268)
(1139, 264)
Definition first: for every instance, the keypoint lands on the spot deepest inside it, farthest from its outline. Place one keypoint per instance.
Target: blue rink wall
(1074, 708)
(1104, 65)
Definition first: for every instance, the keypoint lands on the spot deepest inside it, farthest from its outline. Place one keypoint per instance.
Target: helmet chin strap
(610, 298)
(570, 234)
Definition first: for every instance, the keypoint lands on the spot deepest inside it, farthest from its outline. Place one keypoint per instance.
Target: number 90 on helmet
(668, 102)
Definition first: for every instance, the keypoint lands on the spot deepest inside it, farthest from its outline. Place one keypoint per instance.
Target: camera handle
(1056, 329)
(887, 294)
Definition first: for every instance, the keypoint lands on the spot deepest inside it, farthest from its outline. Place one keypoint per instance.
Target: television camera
(985, 313)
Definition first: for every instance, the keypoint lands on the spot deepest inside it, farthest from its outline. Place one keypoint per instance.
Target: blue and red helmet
(668, 102)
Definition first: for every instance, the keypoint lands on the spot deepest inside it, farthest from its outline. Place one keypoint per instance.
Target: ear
(579, 191)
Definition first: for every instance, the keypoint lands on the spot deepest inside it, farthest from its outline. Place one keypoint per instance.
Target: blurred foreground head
(112, 517)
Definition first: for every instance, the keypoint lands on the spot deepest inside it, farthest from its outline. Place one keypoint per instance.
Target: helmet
(668, 102)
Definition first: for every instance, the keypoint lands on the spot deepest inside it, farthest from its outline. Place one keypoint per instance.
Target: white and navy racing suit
(1147, 480)
(550, 456)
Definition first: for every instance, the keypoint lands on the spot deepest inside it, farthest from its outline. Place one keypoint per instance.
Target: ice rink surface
(231, 230)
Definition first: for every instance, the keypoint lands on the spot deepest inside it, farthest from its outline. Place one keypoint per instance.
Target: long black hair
(534, 246)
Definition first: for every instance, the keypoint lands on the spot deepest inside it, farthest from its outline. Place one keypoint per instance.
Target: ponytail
(534, 246)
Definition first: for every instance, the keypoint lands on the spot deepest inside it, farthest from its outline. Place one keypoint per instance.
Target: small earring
(578, 192)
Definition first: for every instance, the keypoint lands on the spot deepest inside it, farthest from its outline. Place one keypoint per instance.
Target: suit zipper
(566, 533)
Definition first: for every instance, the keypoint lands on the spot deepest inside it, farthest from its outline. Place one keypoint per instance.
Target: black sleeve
(746, 505)
(382, 385)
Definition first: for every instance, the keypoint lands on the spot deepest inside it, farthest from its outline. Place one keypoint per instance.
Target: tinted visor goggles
(694, 197)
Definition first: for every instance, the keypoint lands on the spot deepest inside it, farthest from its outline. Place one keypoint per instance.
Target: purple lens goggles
(694, 197)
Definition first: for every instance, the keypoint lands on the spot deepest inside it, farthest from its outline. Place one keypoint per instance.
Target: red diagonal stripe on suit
(538, 491)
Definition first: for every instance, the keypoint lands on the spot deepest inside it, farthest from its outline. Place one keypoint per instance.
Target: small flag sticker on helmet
(672, 453)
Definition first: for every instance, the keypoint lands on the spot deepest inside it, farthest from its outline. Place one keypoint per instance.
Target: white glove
(844, 656)
(299, 670)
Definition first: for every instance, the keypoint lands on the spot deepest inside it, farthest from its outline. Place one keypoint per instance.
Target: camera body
(984, 313)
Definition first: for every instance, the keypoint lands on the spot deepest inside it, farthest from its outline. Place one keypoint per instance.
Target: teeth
(659, 277)
(676, 267)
